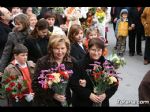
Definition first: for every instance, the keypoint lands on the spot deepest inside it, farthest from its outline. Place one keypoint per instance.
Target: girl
(38, 40)
(75, 36)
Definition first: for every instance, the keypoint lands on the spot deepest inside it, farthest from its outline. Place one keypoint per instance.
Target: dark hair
(20, 48)
(42, 24)
(49, 14)
(97, 42)
(74, 30)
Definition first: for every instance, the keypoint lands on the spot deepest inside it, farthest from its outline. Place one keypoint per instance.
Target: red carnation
(64, 74)
(12, 84)
(7, 80)
(8, 89)
(12, 77)
(19, 86)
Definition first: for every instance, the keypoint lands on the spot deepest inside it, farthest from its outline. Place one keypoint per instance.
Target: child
(121, 32)
(22, 68)
(93, 32)
(75, 36)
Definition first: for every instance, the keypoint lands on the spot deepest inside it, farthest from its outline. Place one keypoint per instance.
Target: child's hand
(82, 82)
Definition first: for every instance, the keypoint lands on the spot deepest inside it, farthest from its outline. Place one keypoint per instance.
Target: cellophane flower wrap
(116, 60)
(15, 87)
(56, 79)
(102, 78)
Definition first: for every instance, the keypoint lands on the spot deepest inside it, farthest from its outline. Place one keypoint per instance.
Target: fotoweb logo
(131, 102)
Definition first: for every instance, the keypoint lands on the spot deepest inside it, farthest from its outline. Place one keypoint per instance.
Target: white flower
(112, 80)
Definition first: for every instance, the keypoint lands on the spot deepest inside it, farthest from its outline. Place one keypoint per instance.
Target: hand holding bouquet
(55, 79)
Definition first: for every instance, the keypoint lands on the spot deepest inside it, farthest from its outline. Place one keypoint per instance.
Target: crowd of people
(33, 39)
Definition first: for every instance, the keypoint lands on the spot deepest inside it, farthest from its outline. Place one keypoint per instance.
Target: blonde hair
(54, 41)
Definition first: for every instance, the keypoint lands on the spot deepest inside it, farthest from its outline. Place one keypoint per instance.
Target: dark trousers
(147, 48)
(135, 39)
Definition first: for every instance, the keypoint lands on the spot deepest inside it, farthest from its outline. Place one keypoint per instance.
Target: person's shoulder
(31, 63)
(43, 59)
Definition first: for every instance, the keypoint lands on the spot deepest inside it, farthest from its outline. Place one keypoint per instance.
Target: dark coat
(37, 47)
(4, 31)
(13, 39)
(81, 95)
(77, 52)
(144, 90)
(44, 97)
(134, 17)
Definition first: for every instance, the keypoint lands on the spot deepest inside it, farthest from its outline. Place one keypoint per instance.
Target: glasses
(96, 50)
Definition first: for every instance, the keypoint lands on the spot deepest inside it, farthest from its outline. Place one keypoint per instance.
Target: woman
(83, 94)
(58, 53)
(38, 41)
(19, 34)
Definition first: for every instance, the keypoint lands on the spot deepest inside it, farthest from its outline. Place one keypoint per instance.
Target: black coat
(81, 95)
(77, 52)
(45, 97)
(37, 47)
(4, 31)
(134, 17)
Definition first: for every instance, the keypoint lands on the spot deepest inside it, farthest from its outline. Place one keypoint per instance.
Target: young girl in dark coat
(38, 41)
(75, 35)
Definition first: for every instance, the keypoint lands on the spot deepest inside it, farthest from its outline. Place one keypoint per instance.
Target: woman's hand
(102, 97)
(60, 98)
(95, 98)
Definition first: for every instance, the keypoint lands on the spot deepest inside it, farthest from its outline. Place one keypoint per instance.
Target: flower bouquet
(14, 86)
(100, 14)
(56, 79)
(102, 78)
(116, 60)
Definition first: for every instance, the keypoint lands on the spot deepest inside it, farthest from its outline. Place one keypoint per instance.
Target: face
(124, 16)
(79, 37)
(29, 11)
(42, 33)
(50, 21)
(16, 10)
(95, 52)
(21, 58)
(33, 21)
(93, 35)
(60, 51)
(7, 14)
(19, 26)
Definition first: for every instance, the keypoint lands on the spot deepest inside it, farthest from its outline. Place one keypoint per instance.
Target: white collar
(20, 65)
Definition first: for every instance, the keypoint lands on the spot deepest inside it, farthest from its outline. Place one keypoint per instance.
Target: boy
(121, 32)
(22, 68)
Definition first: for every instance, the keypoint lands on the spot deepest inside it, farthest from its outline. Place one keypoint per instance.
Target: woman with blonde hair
(58, 53)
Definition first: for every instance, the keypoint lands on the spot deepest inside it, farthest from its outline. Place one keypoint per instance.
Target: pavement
(132, 74)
